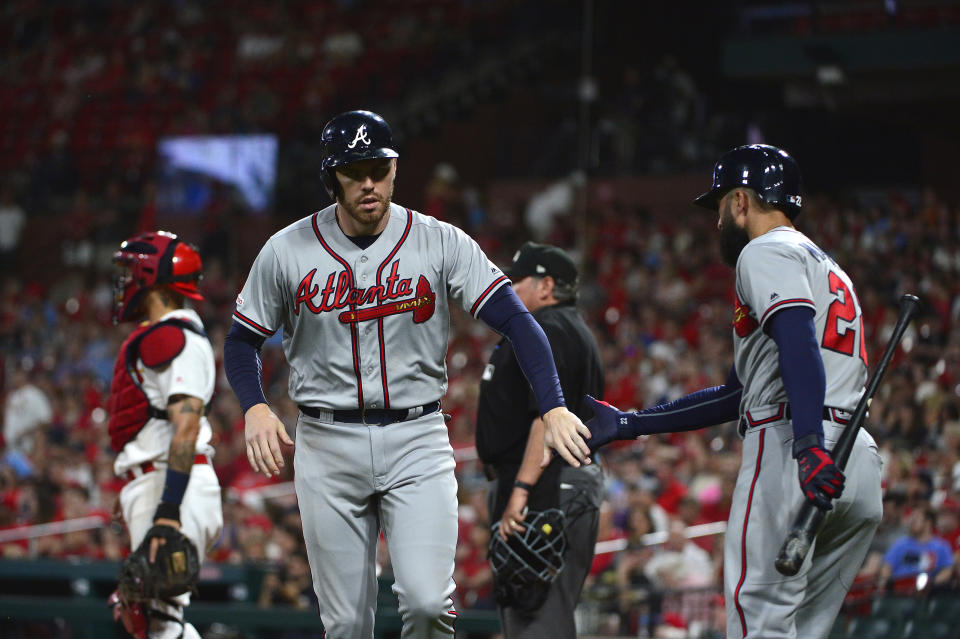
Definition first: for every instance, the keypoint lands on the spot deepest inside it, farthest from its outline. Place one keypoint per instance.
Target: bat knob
(910, 300)
(792, 554)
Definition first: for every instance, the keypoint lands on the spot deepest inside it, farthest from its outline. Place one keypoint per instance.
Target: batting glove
(607, 424)
(820, 479)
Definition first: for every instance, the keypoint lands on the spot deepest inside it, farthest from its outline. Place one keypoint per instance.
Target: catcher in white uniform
(800, 364)
(361, 291)
(162, 381)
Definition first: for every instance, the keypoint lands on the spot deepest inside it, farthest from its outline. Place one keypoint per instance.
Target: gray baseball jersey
(780, 269)
(365, 327)
(784, 268)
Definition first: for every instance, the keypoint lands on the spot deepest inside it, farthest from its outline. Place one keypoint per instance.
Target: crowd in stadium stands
(659, 301)
(88, 87)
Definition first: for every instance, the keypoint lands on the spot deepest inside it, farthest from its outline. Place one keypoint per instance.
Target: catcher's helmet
(151, 259)
(351, 137)
(769, 171)
(527, 563)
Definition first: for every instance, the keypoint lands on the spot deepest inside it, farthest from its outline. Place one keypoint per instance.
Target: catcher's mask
(527, 563)
(151, 259)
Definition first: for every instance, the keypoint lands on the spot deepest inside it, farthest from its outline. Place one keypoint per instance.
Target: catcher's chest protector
(128, 406)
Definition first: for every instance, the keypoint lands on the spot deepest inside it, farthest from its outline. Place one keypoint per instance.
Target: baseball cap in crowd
(540, 260)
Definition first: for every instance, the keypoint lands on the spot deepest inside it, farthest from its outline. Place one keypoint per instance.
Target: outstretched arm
(563, 431)
(706, 407)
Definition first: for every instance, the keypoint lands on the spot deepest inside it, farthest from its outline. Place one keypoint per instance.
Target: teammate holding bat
(800, 364)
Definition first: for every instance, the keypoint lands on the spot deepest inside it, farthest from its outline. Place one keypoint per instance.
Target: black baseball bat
(807, 523)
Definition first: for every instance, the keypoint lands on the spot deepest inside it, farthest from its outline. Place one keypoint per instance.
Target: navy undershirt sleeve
(241, 361)
(801, 369)
(707, 407)
(506, 314)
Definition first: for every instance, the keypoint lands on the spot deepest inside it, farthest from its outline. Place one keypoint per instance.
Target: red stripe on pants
(743, 540)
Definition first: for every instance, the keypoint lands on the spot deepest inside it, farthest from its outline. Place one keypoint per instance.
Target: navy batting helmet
(769, 171)
(351, 137)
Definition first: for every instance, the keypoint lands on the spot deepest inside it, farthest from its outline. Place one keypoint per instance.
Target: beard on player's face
(354, 207)
(358, 195)
(732, 237)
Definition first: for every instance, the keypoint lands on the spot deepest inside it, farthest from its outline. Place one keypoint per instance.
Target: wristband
(805, 442)
(522, 484)
(174, 486)
(166, 510)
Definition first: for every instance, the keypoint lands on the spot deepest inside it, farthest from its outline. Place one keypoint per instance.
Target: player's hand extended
(820, 479)
(514, 514)
(607, 424)
(564, 432)
(264, 432)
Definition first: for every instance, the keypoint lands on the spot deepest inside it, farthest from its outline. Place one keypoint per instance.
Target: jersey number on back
(843, 308)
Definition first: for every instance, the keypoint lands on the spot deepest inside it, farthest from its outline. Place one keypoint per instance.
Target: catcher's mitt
(527, 563)
(174, 572)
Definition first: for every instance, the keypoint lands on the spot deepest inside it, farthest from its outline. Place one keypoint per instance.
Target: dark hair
(170, 297)
(565, 292)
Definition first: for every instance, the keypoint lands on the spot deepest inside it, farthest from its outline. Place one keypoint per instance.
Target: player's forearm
(241, 362)
(707, 407)
(184, 413)
(505, 313)
(530, 469)
(185, 416)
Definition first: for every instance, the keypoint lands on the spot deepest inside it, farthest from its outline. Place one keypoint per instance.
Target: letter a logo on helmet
(361, 136)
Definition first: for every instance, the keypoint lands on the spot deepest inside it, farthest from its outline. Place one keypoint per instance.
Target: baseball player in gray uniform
(800, 365)
(361, 291)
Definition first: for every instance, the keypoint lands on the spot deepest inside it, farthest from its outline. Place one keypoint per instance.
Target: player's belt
(378, 416)
(148, 467)
(780, 412)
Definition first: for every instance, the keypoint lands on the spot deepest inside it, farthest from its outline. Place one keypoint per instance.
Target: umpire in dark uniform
(510, 437)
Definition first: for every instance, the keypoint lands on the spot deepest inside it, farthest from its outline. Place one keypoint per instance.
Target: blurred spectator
(680, 563)
(443, 200)
(948, 522)
(473, 575)
(27, 409)
(919, 551)
(290, 586)
(12, 221)
(633, 583)
(891, 529)
(555, 201)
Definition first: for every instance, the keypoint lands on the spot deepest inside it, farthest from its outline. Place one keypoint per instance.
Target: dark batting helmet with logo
(771, 172)
(150, 259)
(351, 137)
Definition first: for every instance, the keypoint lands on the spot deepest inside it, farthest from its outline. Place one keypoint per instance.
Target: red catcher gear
(130, 615)
(151, 259)
(128, 406)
